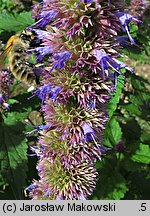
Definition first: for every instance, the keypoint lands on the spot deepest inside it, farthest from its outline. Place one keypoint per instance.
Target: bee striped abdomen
(20, 69)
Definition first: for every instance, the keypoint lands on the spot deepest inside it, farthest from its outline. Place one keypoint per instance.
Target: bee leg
(37, 80)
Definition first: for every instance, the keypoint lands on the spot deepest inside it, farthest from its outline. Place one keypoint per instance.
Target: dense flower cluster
(79, 48)
(5, 83)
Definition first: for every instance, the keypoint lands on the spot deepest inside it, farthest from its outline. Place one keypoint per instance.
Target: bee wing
(3, 60)
(4, 54)
(3, 57)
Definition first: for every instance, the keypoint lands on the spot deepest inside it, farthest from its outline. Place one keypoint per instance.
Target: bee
(18, 58)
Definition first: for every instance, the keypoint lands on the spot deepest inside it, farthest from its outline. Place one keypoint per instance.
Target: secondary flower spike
(78, 43)
(5, 83)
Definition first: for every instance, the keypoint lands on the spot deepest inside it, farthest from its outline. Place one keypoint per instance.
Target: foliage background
(123, 174)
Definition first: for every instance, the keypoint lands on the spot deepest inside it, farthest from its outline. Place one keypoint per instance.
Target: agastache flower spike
(80, 53)
(5, 83)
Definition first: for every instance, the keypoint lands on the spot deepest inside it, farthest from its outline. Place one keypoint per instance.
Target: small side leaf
(113, 133)
(142, 155)
(112, 104)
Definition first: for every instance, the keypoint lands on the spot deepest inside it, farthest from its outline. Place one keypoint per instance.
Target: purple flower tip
(30, 188)
(123, 40)
(125, 19)
(47, 91)
(45, 18)
(42, 91)
(54, 92)
(61, 60)
(47, 194)
(1, 98)
(59, 197)
(82, 197)
(37, 151)
(92, 104)
(88, 132)
(106, 62)
(45, 50)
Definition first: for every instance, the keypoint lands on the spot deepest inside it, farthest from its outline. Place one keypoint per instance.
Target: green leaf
(135, 100)
(113, 133)
(12, 101)
(15, 23)
(142, 155)
(112, 104)
(131, 130)
(133, 109)
(133, 30)
(138, 186)
(131, 166)
(13, 158)
(145, 137)
(6, 5)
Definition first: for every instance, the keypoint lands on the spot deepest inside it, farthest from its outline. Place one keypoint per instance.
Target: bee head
(27, 37)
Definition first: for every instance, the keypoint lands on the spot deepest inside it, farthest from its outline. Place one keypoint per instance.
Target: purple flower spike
(5, 82)
(88, 132)
(125, 19)
(81, 41)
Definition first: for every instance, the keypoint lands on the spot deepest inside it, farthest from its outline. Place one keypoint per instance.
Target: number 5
(143, 207)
